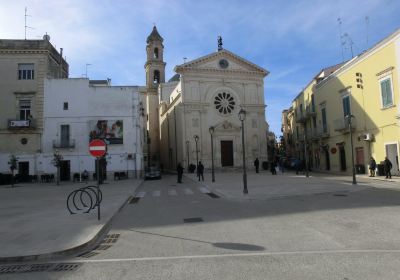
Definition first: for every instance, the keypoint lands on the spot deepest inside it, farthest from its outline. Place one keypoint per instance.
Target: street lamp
(212, 153)
(196, 139)
(349, 117)
(242, 117)
(305, 148)
(187, 152)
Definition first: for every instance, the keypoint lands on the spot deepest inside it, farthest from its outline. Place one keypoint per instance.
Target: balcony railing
(64, 144)
(312, 134)
(342, 125)
(323, 132)
(21, 124)
(310, 111)
(301, 118)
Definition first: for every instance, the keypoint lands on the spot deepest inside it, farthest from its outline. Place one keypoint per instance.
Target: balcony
(342, 125)
(21, 124)
(310, 112)
(301, 118)
(64, 144)
(323, 132)
(312, 134)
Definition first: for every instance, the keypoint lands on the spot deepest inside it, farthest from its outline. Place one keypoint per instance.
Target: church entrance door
(227, 153)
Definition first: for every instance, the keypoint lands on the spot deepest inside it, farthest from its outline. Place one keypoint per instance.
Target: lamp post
(187, 152)
(349, 117)
(196, 139)
(242, 117)
(212, 154)
(305, 148)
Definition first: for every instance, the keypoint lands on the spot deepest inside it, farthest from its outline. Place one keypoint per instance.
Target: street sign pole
(98, 148)
(98, 188)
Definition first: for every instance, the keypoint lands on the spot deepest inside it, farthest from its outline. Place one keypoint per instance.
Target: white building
(76, 111)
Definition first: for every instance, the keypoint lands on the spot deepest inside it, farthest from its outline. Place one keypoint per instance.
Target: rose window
(224, 103)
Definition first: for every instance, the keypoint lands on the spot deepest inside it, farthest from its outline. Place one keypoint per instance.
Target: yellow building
(365, 88)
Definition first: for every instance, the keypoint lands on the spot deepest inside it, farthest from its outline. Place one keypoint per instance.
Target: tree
(13, 165)
(57, 159)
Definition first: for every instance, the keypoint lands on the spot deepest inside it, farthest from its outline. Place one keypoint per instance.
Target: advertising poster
(111, 131)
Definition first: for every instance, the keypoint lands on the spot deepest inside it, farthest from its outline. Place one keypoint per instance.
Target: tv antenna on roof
(339, 20)
(26, 26)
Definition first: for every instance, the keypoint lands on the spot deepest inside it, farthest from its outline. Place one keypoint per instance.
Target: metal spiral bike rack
(84, 199)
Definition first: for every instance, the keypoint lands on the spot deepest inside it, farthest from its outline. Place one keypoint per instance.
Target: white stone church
(207, 92)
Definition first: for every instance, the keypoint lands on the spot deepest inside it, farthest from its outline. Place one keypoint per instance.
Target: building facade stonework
(209, 92)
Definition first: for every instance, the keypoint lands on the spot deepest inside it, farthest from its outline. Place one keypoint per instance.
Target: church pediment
(223, 60)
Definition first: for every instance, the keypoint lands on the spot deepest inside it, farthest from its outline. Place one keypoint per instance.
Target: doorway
(23, 171)
(226, 153)
(342, 158)
(65, 170)
(327, 159)
(392, 154)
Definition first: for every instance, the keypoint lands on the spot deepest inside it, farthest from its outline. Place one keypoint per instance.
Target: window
(65, 105)
(312, 103)
(64, 135)
(26, 71)
(324, 125)
(386, 92)
(346, 105)
(25, 109)
(155, 52)
(224, 103)
(156, 77)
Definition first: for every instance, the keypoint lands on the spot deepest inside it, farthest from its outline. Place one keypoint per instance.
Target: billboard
(111, 131)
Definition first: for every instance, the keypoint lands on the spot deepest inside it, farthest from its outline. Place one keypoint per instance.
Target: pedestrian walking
(281, 164)
(179, 170)
(387, 166)
(297, 165)
(273, 168)
(200, 171)
(257, 164)
(372, 167)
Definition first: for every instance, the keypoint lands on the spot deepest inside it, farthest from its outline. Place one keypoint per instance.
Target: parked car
(152, 173)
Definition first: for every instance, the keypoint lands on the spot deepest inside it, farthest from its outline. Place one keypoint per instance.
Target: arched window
(155, 52)
(156, 77)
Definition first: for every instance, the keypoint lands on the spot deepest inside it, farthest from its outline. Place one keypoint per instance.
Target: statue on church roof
(219, 43)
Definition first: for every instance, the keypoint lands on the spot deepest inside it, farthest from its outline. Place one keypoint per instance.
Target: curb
(211, 189)
(74, 250)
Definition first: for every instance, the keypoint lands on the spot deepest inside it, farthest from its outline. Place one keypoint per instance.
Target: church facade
(205, 96)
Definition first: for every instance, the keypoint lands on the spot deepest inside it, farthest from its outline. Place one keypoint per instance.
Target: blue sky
(291, 39)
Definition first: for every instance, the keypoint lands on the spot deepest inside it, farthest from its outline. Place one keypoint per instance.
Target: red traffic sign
(97, 148)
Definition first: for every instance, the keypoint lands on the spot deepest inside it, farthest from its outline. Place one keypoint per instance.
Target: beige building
(24, 65)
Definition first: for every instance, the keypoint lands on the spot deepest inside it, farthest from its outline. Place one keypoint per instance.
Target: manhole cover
(103, 247)
(39, 267)
(193, 220)
(213, 195)
(66, 267)
(12, 269)
(134, 200)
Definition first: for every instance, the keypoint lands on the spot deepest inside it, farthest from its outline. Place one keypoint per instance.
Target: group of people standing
(200, 172)
(387, 167)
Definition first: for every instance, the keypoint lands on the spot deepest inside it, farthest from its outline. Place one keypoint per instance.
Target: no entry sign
(97, 148)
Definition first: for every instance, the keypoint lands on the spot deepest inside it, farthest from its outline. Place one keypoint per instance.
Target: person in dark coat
(179, 169)
(372, 167)
(200, 171)
(387, 166)
(257, 164)
(273, 168)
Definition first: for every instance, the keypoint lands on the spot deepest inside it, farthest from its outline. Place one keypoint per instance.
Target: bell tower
(155, 74)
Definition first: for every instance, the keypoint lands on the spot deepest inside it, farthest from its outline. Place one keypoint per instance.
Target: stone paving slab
(35, 222)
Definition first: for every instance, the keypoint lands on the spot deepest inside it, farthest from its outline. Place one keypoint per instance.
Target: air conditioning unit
(367, 137)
